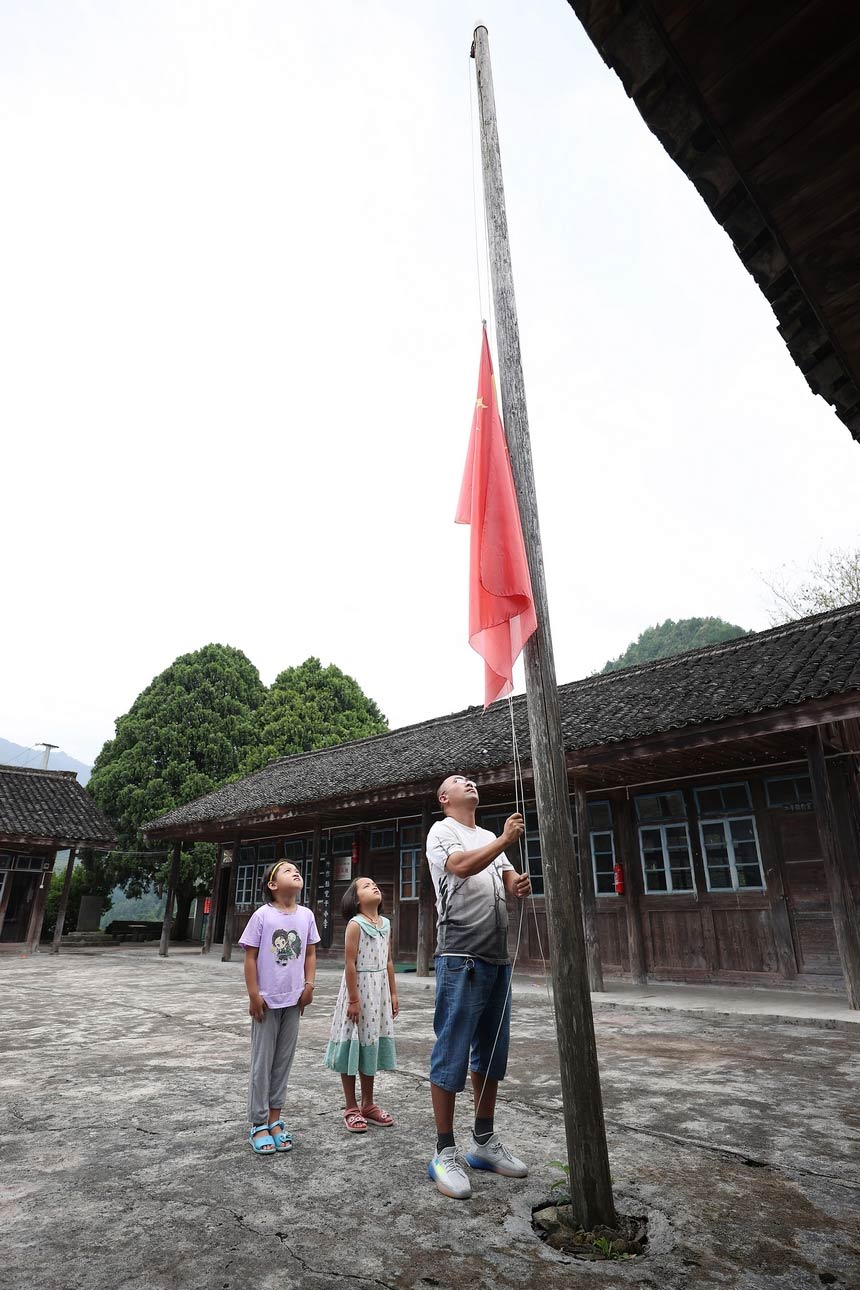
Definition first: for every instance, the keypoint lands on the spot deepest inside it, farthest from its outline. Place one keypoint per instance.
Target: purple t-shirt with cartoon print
(282, 940)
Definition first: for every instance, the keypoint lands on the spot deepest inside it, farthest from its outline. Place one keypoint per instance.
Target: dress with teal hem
(366, 1046)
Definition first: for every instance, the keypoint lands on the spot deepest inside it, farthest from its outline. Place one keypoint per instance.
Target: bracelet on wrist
(309, 983)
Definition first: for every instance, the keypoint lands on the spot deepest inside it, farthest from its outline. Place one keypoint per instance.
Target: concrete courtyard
(126, 1163)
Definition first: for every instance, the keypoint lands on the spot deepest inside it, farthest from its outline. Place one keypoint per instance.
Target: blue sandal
(284, 1140)
(264, 1145)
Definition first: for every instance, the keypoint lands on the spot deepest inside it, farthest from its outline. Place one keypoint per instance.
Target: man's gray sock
(444, 1140)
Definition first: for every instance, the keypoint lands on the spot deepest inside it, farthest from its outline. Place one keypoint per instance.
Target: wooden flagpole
(585, 1132)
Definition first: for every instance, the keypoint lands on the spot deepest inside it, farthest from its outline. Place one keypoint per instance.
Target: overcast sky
(240, 326)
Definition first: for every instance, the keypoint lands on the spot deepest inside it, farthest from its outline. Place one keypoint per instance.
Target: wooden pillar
(4, 895)
(426, 898)
(845, 918)
(213, 903)
(37, 914)
(172, 881)
(227, 945)
(584, 1127)
(780, 920)
(316, 847)
(586, 887)
(629, 856)
(64, 904)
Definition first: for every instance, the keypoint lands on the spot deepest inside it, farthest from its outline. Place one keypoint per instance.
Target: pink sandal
(354, 1120)
(375, 1115)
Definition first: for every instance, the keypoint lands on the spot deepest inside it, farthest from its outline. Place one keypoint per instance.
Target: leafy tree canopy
(309, 707)
(184, 735)
(829, 583)
(672, 637)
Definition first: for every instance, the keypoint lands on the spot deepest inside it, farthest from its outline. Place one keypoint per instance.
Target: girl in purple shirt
(280, 943)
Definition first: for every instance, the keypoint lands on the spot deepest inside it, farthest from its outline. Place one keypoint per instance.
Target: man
(472, 876)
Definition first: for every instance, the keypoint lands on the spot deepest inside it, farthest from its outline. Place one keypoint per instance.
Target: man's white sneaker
(494, 1156)
(449, 1174)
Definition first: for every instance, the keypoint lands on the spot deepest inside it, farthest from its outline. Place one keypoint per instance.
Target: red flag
(501, 607)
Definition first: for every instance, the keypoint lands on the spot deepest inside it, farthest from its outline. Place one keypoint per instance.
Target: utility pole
(47, 753)
(585, 1132)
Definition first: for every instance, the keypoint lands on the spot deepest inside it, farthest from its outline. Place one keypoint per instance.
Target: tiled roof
(809, 659)
(50, 804)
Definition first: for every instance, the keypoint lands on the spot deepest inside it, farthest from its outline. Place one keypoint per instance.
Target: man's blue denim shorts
(473, 1015)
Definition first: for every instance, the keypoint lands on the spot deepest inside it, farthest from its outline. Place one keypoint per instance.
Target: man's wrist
(309, 985)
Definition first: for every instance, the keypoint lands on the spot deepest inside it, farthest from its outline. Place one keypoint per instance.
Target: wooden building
(41, 812)
(719, 791)
(759, 104)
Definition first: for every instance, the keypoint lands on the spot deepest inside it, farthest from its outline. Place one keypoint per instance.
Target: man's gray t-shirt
(472, 914)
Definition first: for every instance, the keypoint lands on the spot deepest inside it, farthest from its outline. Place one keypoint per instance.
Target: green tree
(309, 707)
(185, 734)
(672, 637)
(829, 583)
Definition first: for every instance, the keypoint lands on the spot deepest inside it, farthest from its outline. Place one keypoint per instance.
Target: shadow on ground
(126, 1162)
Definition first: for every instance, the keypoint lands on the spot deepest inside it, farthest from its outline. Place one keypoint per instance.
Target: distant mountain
(17, 755)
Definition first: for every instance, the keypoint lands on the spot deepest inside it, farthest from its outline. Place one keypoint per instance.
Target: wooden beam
(172, 882)
(586, 887)
(64, 904)
(585, 1131)
(37, 914)
(844, 911)
(213, 903)
(227, 944)
(629, 854)
(426, 900)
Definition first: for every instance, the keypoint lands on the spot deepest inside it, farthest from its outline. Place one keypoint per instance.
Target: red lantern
(619, 880)
(355, 853)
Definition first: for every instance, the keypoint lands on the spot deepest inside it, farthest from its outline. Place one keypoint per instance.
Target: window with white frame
(666, 860)
(729, 838)
(603, 862)
(602, 841)
(411, 851)
(731, 851)
(382, 839)
(245, 886)
(494, 820)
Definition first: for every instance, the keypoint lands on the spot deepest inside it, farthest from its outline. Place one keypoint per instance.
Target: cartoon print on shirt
(286, 946)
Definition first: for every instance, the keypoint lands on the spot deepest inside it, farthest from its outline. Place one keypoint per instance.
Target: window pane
(742, 831)
(710, 801)
(749, 876)
(656, 880)
(786, 790)
(736, 797)
(719, 877)
(410, 835)
(341, 843)
(606, 884)
(266, 853)
(599, 815)
(660, 806)
(682, 880)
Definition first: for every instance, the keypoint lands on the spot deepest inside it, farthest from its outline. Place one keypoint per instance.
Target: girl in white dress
(362, 1029)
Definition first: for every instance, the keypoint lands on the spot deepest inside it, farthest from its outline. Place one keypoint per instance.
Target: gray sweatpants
(273, 1046)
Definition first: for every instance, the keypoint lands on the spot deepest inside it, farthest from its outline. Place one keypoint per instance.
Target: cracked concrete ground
(126, 1164)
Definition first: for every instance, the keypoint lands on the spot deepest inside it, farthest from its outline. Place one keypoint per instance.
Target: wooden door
(806, 893)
